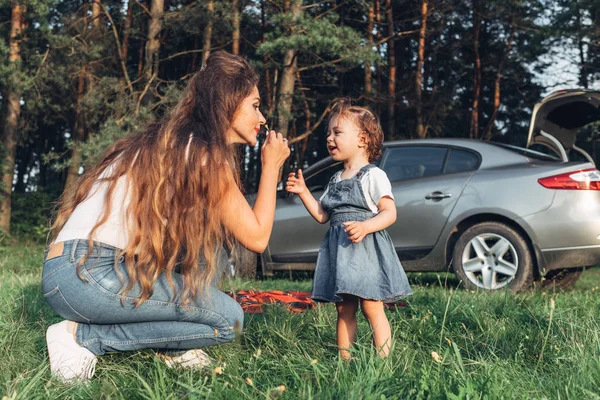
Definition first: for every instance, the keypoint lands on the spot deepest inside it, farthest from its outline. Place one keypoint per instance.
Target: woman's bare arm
(252, 226)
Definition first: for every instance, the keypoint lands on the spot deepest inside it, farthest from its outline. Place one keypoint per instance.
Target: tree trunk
(236, 27)
(474, 131)
(140, 69)
(24, 155)
(288, 77)
(268, 89)
(368, 89)
(10, 127)
(194, 66)
(391, 103)
(583, 71)
(78, 131)
(378, 69)
(84, 79)
(127, 31)
(421, 131)
(509, 44)
(96, 10)
(153, 42)
(286, 91)
(208, 31)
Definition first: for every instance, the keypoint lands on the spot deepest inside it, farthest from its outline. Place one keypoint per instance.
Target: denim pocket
(54, 266)
(104, 278)
(62, 307)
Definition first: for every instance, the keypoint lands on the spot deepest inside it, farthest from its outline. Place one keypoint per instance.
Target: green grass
(490, 346)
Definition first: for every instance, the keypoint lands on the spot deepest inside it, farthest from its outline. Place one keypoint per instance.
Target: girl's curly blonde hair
(367, 122)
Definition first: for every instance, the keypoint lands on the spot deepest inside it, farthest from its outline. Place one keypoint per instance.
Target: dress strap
(363, 171)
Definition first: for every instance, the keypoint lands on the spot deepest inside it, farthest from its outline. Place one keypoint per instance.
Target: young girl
(357, 263)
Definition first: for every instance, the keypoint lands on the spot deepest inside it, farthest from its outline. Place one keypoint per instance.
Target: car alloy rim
(490, 261)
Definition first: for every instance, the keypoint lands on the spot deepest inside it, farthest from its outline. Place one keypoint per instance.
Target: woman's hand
(356, 231)
(296, 184)
(274, 151)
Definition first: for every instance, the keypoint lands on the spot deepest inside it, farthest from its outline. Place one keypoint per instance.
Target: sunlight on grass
(449, 343)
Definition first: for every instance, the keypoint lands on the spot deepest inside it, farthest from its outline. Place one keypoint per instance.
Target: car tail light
(587, 179)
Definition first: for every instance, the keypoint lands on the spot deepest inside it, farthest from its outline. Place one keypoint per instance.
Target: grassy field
(449, 343)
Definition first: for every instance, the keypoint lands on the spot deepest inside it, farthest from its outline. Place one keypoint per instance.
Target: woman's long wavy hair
(177, 172)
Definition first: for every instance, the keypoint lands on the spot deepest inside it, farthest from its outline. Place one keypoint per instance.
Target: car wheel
(491, 256)
(562, 278)
(243, 262)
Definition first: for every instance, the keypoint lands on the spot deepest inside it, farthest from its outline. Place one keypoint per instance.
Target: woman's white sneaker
(69, 361)
(191, 359)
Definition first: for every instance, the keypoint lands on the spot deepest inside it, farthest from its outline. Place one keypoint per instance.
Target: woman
(137, 241)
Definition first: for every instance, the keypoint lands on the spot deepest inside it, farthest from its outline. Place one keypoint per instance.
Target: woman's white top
(87, 213)
(375, 185)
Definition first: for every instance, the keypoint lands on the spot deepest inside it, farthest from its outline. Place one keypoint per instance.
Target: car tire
(492, 256)
(561, 278)
(244, 262)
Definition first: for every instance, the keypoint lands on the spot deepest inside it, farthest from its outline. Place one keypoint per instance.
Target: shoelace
(88, 367)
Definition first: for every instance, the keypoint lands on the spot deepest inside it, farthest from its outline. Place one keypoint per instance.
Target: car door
(427, 180)
(296, 236)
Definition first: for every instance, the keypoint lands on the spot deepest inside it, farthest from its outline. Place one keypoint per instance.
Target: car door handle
(437, 196)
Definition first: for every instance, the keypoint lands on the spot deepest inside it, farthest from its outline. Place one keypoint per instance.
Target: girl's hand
(356, 231)
(296, 184)
(274, 151)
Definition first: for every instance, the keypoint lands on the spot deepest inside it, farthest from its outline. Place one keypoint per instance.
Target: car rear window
(411, 162)
(461, 161)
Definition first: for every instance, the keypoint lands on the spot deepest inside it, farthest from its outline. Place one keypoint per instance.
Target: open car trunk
(558, 118)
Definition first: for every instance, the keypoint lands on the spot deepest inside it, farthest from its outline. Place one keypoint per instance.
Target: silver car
(496, 215)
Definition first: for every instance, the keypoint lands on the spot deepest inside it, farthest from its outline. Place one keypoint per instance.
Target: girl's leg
(346, 324)
(382, 334)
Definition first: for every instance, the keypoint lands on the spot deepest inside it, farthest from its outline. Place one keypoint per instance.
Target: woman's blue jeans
(105, 324)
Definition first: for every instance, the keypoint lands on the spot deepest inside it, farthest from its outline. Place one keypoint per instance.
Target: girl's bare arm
(314, 207)
(295, 184)
(385, 218)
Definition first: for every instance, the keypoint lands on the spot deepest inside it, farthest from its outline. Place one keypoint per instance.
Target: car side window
(320, 180)
(410, 162)
(460, 161)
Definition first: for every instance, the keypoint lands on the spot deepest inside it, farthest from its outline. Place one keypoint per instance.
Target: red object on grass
(253, 301)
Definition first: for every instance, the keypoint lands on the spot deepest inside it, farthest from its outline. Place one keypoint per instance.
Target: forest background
(76, 75)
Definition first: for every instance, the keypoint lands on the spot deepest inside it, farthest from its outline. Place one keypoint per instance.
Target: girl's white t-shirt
(375, 185)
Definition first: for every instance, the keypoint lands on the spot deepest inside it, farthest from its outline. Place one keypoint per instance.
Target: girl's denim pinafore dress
(369, 269)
